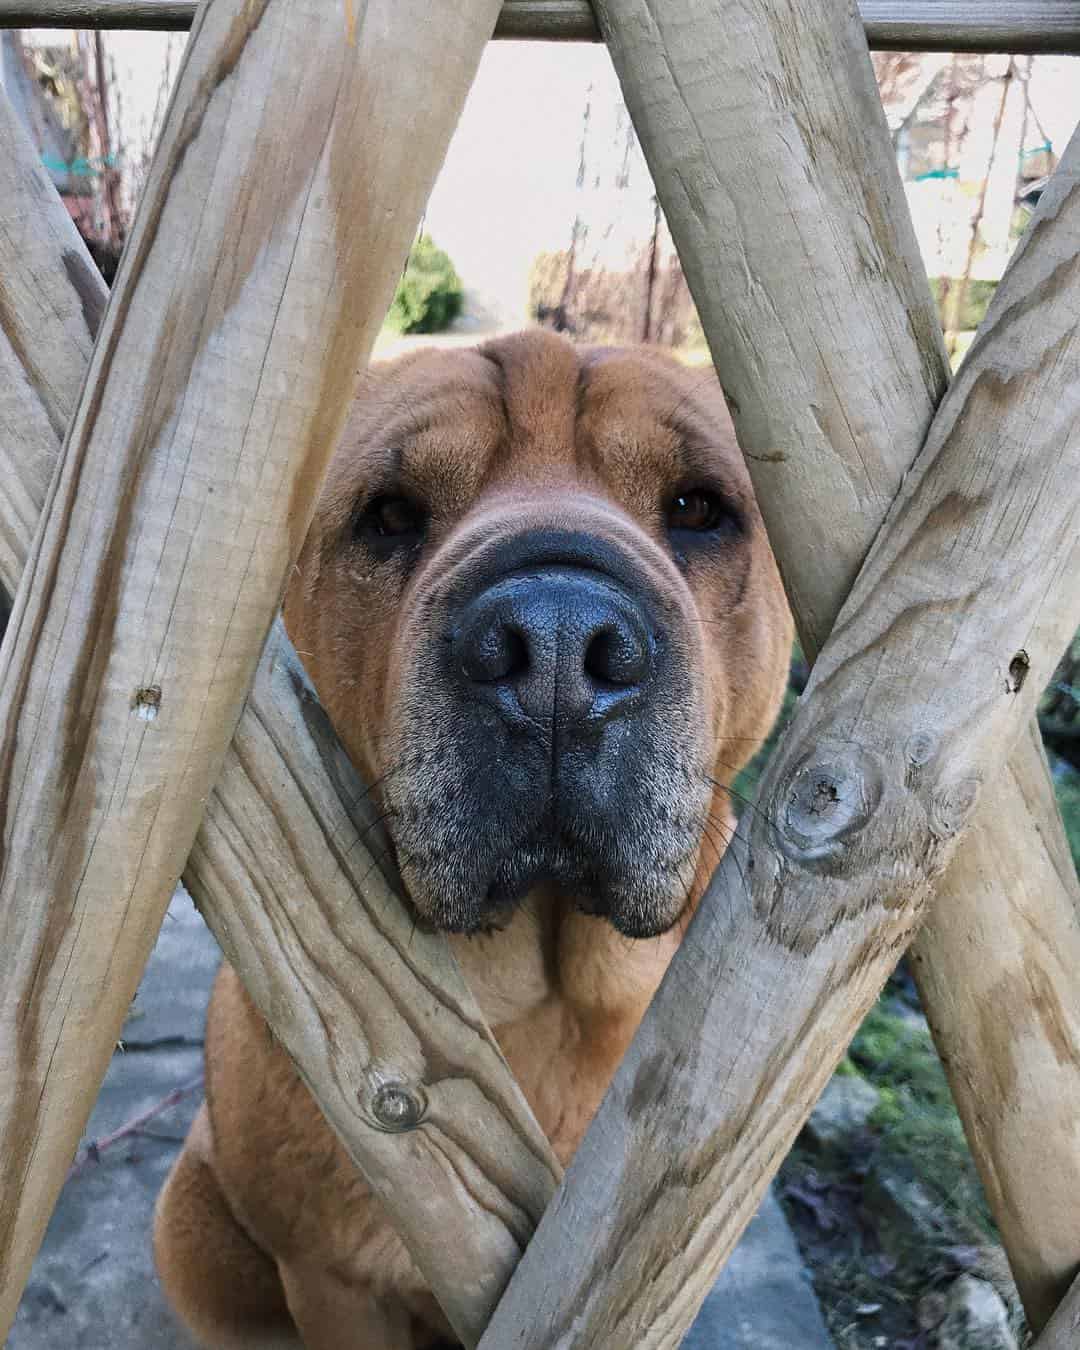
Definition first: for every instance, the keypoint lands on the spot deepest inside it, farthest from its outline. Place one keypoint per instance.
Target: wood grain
(292, 171)
(289, 801)
(904, 25)
(780, 178)
(880, 772)
(771, 241)
(860, 375)
(288, 806)
(972, 25)
(51, 302)
(996, 964)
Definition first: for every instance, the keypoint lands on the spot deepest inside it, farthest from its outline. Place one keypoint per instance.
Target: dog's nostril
(615, 655)
(498, 652)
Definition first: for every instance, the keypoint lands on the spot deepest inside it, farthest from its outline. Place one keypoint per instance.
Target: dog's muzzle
(555, 737)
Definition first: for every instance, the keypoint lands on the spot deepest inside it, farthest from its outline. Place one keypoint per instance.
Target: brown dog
(540, 607)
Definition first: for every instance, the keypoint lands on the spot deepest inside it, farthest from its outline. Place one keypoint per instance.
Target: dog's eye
(393, 516)
(391, 522)
(698, 511)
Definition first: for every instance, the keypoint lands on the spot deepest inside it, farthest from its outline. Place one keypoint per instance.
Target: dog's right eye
(388, 523)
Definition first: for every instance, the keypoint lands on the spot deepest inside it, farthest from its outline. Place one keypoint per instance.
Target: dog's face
(540, 608)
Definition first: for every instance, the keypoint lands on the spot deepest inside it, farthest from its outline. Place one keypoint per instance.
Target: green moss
(916, 1116)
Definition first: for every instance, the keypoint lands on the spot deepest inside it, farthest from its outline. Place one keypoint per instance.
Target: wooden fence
(133, 748)
(899, 25)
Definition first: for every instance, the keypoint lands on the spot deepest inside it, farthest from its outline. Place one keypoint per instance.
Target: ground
(93, 1285)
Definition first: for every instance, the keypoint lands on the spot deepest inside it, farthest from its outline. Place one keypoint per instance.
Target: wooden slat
(51, 302)
(996, 965)
(972, 25)
(878, 776)
(292, 170)
(868, 363)
(287, 785)
(904, 25)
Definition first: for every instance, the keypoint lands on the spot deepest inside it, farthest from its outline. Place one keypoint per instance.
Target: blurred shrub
(429, 296)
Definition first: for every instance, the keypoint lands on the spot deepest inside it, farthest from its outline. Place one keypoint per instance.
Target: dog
(540, 608)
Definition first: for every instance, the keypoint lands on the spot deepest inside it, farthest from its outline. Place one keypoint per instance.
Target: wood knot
(146, 703)
(952, 806)
(397, 1107)
(919, 749)
(1018, 670)
(825, 799)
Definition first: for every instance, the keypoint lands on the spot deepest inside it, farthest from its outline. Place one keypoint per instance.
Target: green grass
(916, 1119)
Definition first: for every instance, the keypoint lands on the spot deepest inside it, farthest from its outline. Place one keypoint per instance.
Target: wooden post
(799, 203)
(256, 277)
(51, 302)
(996, 964)
(288, 784)
(877, 777)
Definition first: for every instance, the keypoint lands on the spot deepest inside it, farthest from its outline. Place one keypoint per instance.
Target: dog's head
(540, 607)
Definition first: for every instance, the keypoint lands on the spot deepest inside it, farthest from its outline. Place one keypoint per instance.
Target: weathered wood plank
(771, 238)
(255, 280)
(972, 25)
(288, 785)
(996, 964)
(800, 338)
(878, 776)
(824, 332)
(51, 302)
(903, 25)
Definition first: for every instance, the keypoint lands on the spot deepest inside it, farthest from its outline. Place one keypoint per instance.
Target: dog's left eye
(698, 511)
(390, 522)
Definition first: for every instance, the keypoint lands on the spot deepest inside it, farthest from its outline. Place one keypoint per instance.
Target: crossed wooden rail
(901, 25)
(820, 321)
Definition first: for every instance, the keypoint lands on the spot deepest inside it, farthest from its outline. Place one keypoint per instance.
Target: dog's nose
(558, 644)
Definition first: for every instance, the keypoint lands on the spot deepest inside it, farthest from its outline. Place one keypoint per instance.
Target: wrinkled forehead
(447, 425)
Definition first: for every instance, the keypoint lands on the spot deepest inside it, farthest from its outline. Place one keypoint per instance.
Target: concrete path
(93, 1286)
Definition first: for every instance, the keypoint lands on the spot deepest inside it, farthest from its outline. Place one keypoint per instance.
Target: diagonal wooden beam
(289, 810)
(185, 547)
(795, 236)
(792, 252)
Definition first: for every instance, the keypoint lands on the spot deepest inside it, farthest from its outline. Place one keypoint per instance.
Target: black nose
(558, 644)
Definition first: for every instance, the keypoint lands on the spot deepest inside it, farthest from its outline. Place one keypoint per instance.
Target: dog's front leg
(332, 1314)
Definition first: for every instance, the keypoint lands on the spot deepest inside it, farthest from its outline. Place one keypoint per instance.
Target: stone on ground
(975, 1319)
(845, 1107)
